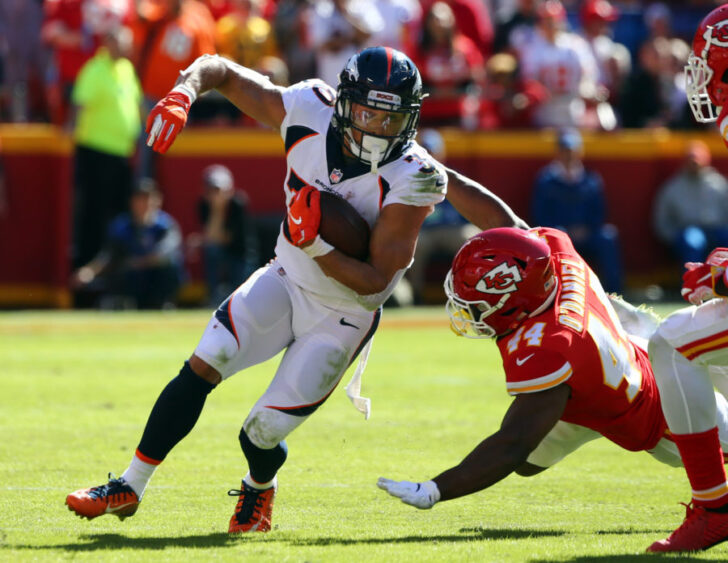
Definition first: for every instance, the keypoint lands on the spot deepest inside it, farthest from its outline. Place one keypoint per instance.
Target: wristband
(182, 89)
(317, 248)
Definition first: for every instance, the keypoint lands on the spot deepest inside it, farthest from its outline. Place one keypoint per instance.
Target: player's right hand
(699, 282)
(304, 215)
(421, 495)
(167, 119)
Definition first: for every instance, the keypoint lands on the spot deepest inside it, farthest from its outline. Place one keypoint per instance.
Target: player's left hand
(699, 282)
(304, 215)
(421, 495)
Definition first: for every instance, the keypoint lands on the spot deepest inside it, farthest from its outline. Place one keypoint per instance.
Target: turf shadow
(93, 542)
(628, 558)
(466, 534)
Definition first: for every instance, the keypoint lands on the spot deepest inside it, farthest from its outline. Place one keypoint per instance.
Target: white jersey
(568, 70)
(314, 158)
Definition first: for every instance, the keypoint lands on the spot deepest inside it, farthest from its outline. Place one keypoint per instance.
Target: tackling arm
(528, 420)
(478, 204)
(530, 417)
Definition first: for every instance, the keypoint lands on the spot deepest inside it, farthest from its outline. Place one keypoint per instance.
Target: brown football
(342, 226)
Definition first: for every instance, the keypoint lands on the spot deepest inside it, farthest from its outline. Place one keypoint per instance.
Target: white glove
(421, 495)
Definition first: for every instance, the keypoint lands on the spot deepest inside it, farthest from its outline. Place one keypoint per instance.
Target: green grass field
(76, 388)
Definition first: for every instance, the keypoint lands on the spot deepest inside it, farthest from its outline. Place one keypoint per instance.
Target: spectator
(563, 63)
(338, 29)
(72, 29)
(569, 197)
(23, 61)
(140, 265)
(443, 232)
(472, 19)
(644, 102)
(228, 241)
(168, 36)
(614, 61)
(691, 207)
(518, 30)
(452, 71)
(243, 35)
(658, 20)
(107, 98)
(402, 20)
(508, 102)
(291, 26)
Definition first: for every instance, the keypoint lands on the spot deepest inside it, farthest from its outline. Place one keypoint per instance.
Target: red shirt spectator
(473, 21)
(452, 69)
(508, 102)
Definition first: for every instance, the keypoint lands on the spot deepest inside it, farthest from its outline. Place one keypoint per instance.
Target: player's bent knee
(266, 428)
(204, 370)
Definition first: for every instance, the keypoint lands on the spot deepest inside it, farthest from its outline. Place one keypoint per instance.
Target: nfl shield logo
(336, 176)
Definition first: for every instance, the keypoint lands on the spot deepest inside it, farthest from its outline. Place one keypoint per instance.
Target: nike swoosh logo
(296, 221)
(706, 277)
(521, 361)
(110, 509)
(342, 321)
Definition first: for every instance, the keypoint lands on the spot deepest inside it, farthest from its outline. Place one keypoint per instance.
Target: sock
(174, 414)
(263, 464)
(139, 472)
(702, 457)
(262, 486)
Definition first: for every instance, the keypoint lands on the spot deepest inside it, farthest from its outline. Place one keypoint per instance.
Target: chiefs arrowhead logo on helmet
(717, 33)
(501, 279)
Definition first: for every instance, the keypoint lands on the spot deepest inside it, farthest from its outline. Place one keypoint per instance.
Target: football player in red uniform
(575, 372)
(706, 72)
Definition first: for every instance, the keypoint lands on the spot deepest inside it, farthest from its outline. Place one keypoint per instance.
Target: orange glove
(702, 282)
(168, 118)
(304, 215)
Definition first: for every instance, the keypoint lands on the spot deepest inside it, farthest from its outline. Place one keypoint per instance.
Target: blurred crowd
(594, 64)
(96, 67)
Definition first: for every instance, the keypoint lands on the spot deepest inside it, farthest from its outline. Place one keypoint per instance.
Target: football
(342, 226)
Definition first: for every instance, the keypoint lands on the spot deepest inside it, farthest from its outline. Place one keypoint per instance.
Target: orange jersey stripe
(542, 386)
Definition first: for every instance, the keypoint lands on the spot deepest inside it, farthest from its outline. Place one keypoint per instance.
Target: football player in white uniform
(319, 305)
(689, 351)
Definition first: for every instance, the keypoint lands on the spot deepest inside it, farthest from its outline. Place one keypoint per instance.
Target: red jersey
(580, 342)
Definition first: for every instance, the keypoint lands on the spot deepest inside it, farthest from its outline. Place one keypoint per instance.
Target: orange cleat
(700, 530)
(116, 497)
(253, 511)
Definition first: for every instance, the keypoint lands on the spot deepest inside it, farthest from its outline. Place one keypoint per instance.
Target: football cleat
(116, 497)
(701, 529)
(253, 511)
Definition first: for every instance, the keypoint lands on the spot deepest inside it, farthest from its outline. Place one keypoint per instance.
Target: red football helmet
(499, 278)
(706, 74)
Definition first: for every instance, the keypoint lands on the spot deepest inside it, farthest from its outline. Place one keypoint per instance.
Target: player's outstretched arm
(479, 205)
(530, 417)
(253, 93)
